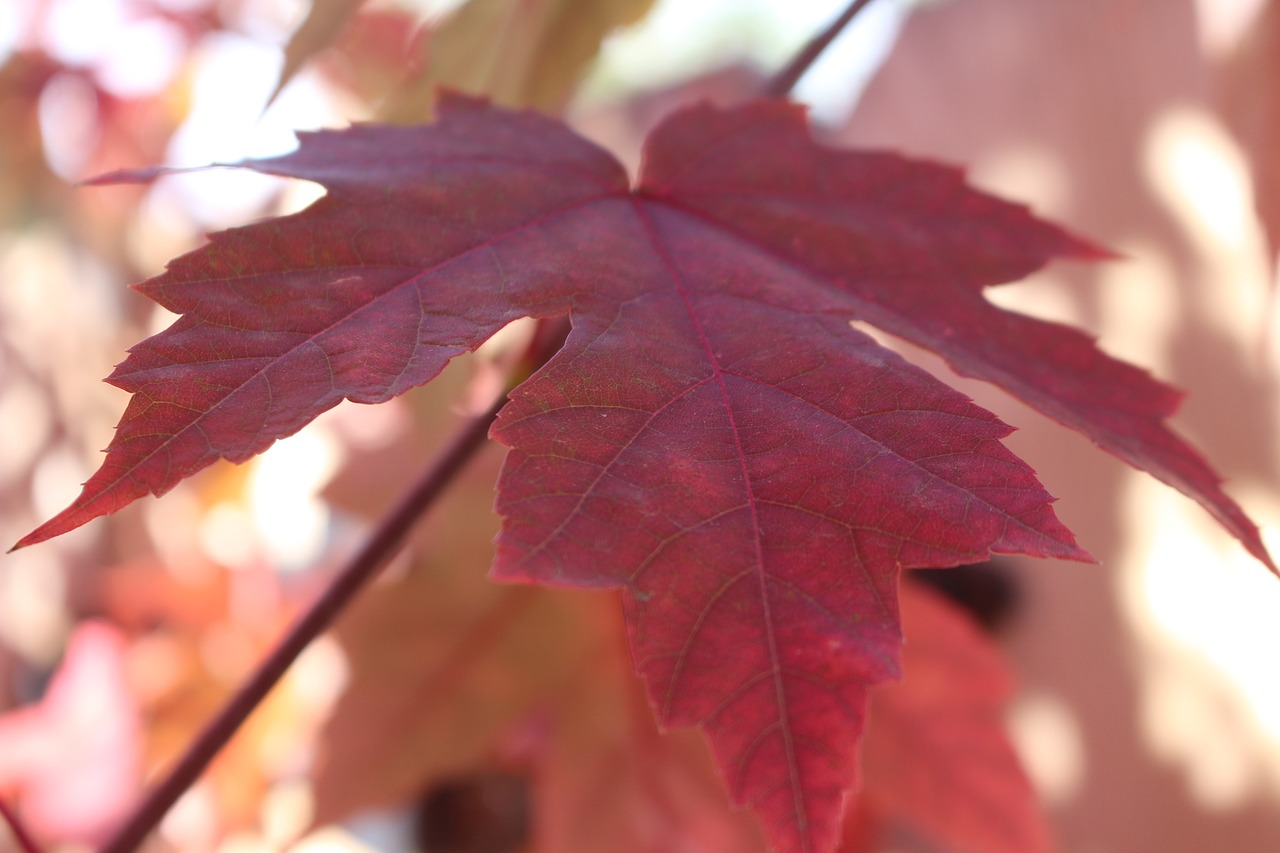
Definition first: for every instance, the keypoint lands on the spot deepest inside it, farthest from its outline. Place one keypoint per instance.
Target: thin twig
(380, 548)
(781, 84)
(20, 834)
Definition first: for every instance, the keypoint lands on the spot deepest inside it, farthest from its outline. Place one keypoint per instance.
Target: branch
(380, 548)
(781, 84)
(25, 842)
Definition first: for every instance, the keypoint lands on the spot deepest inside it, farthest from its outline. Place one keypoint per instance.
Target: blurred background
(1147, 711)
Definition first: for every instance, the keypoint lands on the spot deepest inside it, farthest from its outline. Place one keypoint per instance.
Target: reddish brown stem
(380, 548)
(20, 834)
(781, 84)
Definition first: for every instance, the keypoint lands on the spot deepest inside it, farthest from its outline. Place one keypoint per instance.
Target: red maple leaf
(714, 438)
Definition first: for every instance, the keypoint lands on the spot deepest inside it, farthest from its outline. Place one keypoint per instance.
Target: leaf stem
(781, 84)
(20, 834)
(377, 551)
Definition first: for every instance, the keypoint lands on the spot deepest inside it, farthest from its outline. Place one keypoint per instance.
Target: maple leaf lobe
(912, 248)
(283, 319)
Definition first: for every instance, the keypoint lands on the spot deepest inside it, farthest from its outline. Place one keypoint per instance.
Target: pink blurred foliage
(74, 760)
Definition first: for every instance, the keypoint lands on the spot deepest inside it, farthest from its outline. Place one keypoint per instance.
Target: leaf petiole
(781, 84)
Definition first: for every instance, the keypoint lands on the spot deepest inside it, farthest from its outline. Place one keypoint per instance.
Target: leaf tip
(1087, 250)
(55, 526)
(1259, 550)
(35, 537)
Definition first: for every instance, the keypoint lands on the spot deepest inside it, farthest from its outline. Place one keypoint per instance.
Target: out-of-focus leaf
(438, 673)
(609, 780)
(526, 53)
(378, 50)
(143, 594)
(937, 756)
(442, 661)
(75, 759)
(321, 27)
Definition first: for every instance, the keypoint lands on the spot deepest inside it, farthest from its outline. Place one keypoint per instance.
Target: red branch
(380, 548)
